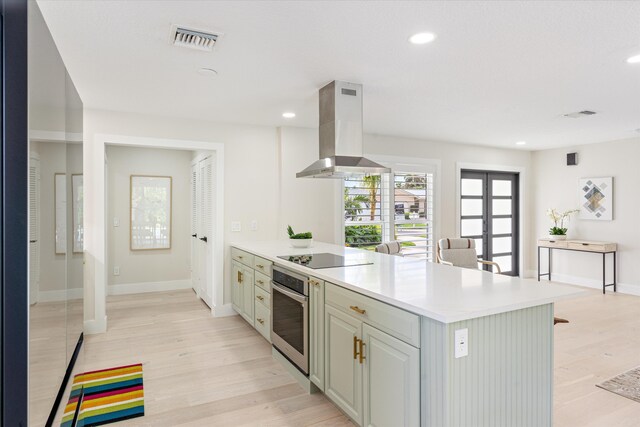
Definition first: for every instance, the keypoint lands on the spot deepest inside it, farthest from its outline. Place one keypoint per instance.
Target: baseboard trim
(223, 310)
(61, 295)
(585, 282)
(144, 287)
(95, 326)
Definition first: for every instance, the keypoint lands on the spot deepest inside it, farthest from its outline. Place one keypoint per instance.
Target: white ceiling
(498, 72)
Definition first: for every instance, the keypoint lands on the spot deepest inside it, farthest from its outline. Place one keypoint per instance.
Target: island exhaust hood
(341, 135)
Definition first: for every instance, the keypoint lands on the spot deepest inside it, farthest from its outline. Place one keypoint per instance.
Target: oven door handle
(293, 295)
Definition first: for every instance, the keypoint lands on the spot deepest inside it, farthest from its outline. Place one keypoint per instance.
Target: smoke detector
(193, 39)
(577, 115)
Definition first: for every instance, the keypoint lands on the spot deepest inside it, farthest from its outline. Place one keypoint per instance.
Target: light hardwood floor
(201, 371)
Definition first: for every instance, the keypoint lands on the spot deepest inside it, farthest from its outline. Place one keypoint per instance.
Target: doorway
(489, 214)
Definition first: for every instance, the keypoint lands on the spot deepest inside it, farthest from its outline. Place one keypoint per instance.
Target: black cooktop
(323, 260)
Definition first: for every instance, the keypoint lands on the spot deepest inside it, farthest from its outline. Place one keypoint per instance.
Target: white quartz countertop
(444, 293)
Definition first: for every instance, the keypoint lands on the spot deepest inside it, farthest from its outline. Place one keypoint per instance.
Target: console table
(603, 248)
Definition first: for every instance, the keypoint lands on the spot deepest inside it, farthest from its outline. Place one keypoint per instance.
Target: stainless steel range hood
(341, 135)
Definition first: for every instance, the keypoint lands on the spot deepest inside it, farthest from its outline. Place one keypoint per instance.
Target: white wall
(250, 176)
(556, 186)
(157, 265)
(260, 184)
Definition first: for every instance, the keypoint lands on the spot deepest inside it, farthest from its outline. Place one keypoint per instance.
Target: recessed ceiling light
(422, 38)
(634, 59)
(521, 143)
(208, 72)
(288, 115)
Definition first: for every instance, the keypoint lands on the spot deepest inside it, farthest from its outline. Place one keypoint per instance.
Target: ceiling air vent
(194, 39)
(577, 115)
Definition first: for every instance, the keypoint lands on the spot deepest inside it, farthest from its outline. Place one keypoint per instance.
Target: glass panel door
(489, 215)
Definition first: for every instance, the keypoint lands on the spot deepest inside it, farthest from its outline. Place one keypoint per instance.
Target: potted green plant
(559, 231)
(299, 240)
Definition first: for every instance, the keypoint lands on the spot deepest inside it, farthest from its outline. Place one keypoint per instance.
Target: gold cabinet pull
(240, 257)
(261, 282)
(260, 321)
(357, 309)
(240, 277)
(362, 356)
(260, 297)
(260, 266)
(355, 347)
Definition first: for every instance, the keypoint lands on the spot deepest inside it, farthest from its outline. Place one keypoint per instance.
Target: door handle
(355, 347)
(33, 241)
(194, 235)
(204, 239)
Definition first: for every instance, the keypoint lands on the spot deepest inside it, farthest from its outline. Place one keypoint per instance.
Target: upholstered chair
(390, 248)
(461, 253)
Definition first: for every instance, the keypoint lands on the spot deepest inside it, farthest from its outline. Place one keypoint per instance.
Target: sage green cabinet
(390, 381)
(316, 332)
(343, 370)
(242, 290)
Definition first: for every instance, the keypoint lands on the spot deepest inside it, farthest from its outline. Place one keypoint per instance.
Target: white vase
(557, 237)
(301, 243)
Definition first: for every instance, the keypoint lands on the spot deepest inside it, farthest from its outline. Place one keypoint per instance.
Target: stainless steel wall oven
(290, 316)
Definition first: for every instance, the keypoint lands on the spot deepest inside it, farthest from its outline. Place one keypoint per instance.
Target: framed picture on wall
(77, 197)
(60, 212)
(150, 226)
(596, 198)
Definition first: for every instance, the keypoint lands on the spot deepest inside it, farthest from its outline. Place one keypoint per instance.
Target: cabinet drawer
(263, 281)
(242, 256)
(263, 297)
(262, 265)
(553, 244)
(263, 321)
(396, 322)
(592, 246)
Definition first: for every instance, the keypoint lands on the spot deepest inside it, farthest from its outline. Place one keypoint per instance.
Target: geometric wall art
(596, 198)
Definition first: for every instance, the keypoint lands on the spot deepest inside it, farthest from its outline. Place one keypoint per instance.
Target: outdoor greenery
(353, 205)
(362, 235)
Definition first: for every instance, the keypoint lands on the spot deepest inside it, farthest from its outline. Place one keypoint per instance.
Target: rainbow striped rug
(108, 396)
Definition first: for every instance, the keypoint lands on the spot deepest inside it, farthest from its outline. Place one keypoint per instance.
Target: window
(396, 206)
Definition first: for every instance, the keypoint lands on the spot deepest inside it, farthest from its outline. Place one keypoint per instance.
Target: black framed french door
(489, 214)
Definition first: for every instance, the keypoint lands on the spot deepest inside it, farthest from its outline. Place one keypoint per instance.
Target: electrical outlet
(254, 225)
(116, 222)
(116, 271)
(461, 338)
(236, 226)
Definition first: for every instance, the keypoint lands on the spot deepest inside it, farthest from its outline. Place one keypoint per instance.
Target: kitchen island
(401, 341)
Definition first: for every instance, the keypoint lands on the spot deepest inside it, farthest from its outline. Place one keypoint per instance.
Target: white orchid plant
(559, 218)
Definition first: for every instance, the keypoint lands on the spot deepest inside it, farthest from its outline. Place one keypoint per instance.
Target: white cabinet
(242, 290)
(316, 332)
(343, 370)
(391, 380)
(372, 376)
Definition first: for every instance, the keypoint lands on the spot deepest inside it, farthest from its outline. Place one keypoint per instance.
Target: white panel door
(194, 230)
(34, 229)
(391, 380)
(208, 222)
(343, 371)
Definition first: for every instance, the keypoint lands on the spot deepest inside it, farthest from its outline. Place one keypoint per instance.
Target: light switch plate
(116, 222)
(116, 271)
(461, 344)
(236, 226)
(254, 225)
